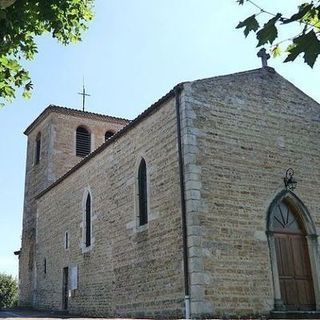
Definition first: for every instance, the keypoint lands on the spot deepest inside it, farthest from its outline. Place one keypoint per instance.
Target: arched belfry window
(108, 134)
(83, 142)
(142, 193)
(88, 221)
(293, 246)
(37, 149)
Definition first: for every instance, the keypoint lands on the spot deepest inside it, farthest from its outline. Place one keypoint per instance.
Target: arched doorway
(293, 253)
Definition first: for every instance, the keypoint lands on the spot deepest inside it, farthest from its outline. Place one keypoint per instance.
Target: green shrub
(8, 291)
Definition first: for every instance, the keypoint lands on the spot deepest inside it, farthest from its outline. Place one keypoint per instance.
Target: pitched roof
(116, 136)
(72, 112)
(145, 114)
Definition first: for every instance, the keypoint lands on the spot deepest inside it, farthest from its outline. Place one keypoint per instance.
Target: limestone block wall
(63, 137)
(241, 133)
(129, 270)
(57, 156)
(36, 180)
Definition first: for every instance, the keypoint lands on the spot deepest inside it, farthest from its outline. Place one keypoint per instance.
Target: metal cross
(84, 95)
(264, 57)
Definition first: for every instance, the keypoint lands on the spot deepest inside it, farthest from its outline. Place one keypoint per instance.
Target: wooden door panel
(294, 272)
(289, 291)
(305, 292)
(300, 256)
(285, 264)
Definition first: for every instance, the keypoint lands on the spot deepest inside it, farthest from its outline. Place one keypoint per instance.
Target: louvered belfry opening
(142, 186)
(83, 142)
(108, 134)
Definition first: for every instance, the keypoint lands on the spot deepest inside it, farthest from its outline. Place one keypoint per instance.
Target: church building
(205, 205)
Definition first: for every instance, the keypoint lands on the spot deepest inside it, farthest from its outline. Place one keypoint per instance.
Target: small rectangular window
(37, 149)
(44, 265)
(66, 240)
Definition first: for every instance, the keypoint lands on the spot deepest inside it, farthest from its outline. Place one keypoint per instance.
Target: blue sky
(133, 53)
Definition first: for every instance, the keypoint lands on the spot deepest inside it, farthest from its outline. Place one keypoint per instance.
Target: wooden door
(293, 261)
(65, 288)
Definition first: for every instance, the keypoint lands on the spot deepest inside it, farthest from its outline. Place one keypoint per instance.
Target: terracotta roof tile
(72, 112)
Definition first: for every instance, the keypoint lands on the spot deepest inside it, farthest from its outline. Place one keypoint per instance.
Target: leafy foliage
(8, 291)
(306, 43)
(20, 22)
(249, 24)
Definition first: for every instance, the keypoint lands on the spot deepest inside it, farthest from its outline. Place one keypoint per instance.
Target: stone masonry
(128, 270)
(240, 133)
(57, 126)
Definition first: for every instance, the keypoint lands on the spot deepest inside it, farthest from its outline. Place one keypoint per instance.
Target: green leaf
(303, 10)
(276, 51)
(26, 94)
(269, 31)
(249, 24)
(22, 22)
(307, 44)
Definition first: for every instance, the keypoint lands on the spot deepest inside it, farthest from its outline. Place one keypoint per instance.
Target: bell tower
(51, 152)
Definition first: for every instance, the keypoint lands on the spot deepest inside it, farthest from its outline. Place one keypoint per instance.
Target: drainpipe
(178, 90)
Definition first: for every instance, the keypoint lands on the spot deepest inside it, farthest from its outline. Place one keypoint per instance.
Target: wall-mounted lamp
(289, 181)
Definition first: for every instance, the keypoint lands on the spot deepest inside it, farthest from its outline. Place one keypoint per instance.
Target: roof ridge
(54, 106)
(263, 69)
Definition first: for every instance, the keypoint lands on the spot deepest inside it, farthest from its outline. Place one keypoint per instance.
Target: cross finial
(84, 95)
(264, 57)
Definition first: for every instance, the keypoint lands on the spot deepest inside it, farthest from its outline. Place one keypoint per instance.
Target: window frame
(142, 194)
(37, 149)
(84, 248)
(88, 221)
(79, 144)
(66, 240)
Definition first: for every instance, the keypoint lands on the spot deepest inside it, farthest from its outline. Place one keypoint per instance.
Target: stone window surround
(136, 194)
(133, 225)
(313, 247)
(83, 246)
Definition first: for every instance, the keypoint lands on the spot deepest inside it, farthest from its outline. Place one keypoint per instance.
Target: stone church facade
(182, 211)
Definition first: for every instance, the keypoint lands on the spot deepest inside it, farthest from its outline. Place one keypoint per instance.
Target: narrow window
(44, 265)
(83, 142)
(88, 222)
(37, 149)
(66, 240)
(142, 193)
(108, 134)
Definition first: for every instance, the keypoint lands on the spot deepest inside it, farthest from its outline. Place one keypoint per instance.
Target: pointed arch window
(142, 193)
(88, 222)
(108, 134)
(83, 142)
(37, 149)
